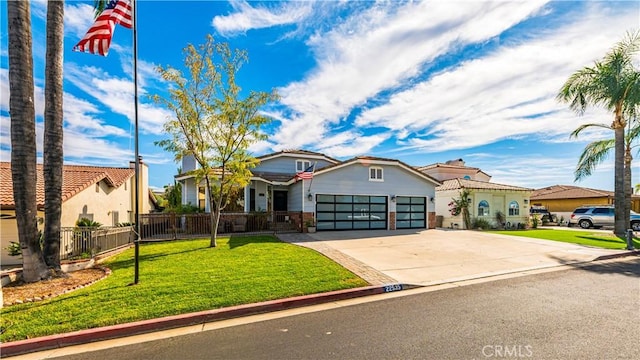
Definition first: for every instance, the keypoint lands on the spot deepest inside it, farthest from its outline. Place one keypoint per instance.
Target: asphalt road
(588, 312)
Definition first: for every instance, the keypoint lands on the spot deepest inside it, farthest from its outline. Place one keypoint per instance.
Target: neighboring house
(486, 200)
(102, 194)
(360, 193)
(454, 169)
(563, 199)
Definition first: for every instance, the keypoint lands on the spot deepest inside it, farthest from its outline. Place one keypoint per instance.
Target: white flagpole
(136, 238)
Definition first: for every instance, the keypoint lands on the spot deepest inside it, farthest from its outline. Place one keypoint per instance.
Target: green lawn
(588, 238)
(181, 277)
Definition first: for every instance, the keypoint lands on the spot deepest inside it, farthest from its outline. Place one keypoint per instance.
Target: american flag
(306, 174)
(98, 38)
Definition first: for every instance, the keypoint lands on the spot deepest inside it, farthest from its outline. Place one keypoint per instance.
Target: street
(589, 312)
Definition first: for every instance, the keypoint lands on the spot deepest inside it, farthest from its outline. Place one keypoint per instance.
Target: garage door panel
(346, 212)
(410, 212)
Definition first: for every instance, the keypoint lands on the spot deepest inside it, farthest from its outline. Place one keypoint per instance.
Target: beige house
(102, 194)
(454, 169)
(486, 200)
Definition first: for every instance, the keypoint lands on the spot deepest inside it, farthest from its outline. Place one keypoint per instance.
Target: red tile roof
(75, 178)
(568, 192)
(455, 184)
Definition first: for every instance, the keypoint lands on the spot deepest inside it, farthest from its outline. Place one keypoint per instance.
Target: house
(102, 194)
(563, 199)
(454, 169)
(486, 200)
(360, 193)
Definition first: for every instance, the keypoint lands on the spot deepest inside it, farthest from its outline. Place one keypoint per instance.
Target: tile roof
(75, 178)
(454, 184)
(449, 166)
(568, 192)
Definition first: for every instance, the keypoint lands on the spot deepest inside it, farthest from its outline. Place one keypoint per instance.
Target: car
(543, 214)
(597, 216)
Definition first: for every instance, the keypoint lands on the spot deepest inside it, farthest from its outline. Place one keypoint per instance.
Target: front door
(279, 200)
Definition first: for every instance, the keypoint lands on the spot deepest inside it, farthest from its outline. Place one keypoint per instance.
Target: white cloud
(507, 94)
(247, 17)
(78, 18)
(117, 94)
(379, 50)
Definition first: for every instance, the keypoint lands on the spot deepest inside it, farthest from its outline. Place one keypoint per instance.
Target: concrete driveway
(428, 257)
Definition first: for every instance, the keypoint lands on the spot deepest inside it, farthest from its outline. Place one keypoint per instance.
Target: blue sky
(422, 82)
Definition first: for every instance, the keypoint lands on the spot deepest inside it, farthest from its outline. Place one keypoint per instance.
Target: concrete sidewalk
(436, 256)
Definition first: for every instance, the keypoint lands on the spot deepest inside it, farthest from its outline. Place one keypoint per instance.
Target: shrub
(535, 221)
(480, 223)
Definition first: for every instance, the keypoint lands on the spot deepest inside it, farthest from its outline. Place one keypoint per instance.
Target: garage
(351, 212)
(410, 212)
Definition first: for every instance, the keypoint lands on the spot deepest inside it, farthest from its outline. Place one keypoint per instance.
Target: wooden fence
(183, 226)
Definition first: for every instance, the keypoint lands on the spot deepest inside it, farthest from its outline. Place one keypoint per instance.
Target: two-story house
(360, 193)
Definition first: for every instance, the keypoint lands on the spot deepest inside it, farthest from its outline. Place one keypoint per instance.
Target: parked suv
(598, 216)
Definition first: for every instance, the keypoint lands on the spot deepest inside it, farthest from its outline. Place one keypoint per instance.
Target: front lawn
(588, 238)
(180, 277)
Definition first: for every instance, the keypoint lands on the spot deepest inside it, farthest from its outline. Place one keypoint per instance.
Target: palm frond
(592, 156)
(578, 130)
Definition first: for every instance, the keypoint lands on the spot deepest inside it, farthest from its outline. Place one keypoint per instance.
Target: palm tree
(23, 139)
(596, 152)
(53, 151)
(613, 83)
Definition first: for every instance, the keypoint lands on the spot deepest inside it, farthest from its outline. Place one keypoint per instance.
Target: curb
(169, 322)
(626, 253)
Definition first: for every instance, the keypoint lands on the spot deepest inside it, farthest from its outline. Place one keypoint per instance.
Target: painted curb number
(394, 287)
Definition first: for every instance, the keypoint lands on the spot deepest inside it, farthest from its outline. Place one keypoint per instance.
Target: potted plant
(311, 225)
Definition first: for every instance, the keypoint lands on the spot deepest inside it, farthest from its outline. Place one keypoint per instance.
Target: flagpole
(136, 226)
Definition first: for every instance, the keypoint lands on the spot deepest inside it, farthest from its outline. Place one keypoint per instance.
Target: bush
(480, 223)
(535, 221)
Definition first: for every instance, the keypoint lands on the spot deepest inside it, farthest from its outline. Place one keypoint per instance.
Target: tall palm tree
(597, 151)
(53, 118)
(613, 83)
(23, 138)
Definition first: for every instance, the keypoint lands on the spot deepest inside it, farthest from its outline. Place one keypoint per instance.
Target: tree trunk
(628, 188)
(214, 210)
(23, 139)
(53, 151)
(621, 218)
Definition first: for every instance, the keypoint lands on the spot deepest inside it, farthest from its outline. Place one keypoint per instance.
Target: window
(483, 208)
(202, 198)
(514, 208)
(467, 177)
(375, 174)
(115, 217)
(302, 165)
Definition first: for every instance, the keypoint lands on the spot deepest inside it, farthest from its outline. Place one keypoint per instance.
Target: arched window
(467, 177)
(514, 208)
(483, 208)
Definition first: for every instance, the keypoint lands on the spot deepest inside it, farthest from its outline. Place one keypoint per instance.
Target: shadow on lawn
(613, 239)
(236, 241)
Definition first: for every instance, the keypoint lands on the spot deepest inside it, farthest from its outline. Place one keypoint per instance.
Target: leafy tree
(461, 206)
(23, 139)
(53, 151)
(613, 83)
(212, 122)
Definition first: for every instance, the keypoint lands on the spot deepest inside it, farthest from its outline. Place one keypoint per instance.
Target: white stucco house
(102, 194)
(360, 193)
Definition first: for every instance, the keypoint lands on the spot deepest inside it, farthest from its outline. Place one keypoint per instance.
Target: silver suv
(598, 216)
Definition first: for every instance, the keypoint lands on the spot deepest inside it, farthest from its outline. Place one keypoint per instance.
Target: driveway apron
(429, 257)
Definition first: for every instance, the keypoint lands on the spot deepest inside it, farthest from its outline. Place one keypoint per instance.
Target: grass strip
(587, 238)
(180, 277)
